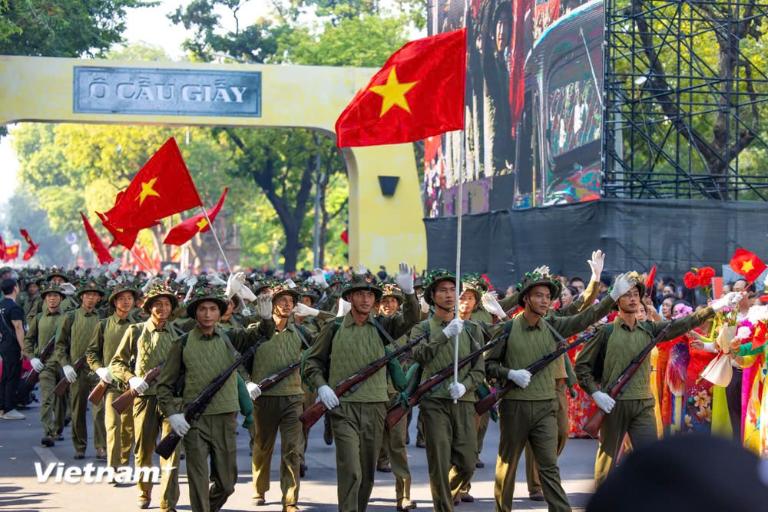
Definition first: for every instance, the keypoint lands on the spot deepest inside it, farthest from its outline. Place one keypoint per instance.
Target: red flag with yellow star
(418, 92)
(181, 234)
(12, 252)
(747, 264)
(161, 188)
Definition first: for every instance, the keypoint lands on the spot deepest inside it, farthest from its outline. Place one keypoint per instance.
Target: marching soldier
(72, 339)
(279, 408)
(528, 413)
(606, 355)
(42, 328)
(143, 347)
(449, 428)
(192, 362)
(103, 346)
(394, 456)
(342, 349)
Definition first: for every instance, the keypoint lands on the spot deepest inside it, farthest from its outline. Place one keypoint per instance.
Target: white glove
(457, 390)
(264, 306)
(360, 269)
(730, 299)
(596, 264)
(520, 377)
(622, 285)
(289, 282)
(318, 277)
(253, 389)
(302, 309)
(743, 333)
(543, 270)
(68, 288)
(603, 401)
(404, 279)
(104, 375)
(424, 305)
(344, 308)
(70, 374)
(328, 397)
(179, 424)
(453, 328)
(235, 284)
(37, 364)
(138, 384)
(492, 306)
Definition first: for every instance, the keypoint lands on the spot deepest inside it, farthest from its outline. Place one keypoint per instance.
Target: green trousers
(78, 397)
(393, 451)
(482, 428)
(119, 429)
(357, 434)
(148, 424)
(531, 469)
(273, 413)
(633, 417)
(451, 436)
(522, 422)
(53, 408)
(213, 435)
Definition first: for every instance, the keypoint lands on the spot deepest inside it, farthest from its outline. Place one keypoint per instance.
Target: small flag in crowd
(179, 235)
(747, 264)
(102, 253)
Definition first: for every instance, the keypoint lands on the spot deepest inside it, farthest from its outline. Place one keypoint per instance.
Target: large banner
(533, 106)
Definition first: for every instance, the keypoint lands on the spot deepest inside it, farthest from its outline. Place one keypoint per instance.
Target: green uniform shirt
(352, 348)
(105, 342)
(145, 344)
(437, 352)
(202, 358)
(526, 344)
(42, 328)
(611, 350)
(275, 354)
(74, 335)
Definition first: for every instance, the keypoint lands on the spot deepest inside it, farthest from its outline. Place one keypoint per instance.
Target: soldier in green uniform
(449, 428)
(607, 354)
(343, 348)
(279, 408)
(42, 328)
(528, 413)
(59, 278)
(143, 347)
(72, 339)
(193, 361)
(393, 456)
(103, 346)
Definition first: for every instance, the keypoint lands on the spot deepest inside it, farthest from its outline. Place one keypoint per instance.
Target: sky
(149, 25)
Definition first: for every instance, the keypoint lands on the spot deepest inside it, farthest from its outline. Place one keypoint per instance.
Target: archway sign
(385, 215)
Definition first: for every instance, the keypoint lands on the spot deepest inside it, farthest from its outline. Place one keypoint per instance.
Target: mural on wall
(533, 106)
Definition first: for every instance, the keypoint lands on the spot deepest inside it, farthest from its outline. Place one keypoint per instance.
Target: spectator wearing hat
(42, 328)
(72, 340)
(103, 346)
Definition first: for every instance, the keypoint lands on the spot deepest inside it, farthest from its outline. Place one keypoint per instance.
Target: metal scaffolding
(685, 98)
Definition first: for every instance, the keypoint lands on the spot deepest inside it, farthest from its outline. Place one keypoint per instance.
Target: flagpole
(459, 215)
(216, 237)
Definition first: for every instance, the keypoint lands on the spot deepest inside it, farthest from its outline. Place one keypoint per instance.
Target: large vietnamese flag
(418, 92)
(181, 234)
(161, 188)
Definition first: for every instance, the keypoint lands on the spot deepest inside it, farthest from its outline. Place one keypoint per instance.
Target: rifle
(125, 400)
(397, 411)
(272, 380)
(316, 411)
(592, 427)
(63, 385)
(97, 393)
(196, 408)
(33, 376)
(484, 405)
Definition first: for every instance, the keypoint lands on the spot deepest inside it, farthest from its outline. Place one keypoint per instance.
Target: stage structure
(686, 87)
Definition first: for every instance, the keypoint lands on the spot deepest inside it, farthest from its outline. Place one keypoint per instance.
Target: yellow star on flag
(747, 266)
(201, 224)
(393, 93)
(147, 190)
